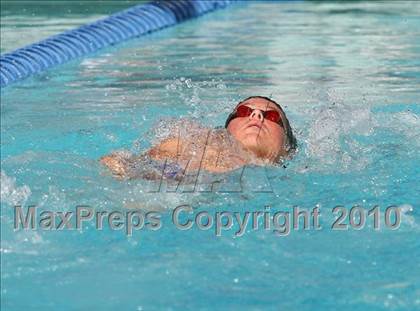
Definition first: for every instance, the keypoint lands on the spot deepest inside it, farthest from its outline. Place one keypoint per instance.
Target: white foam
(11, 193)
(408, 124)
(199, 95)
(329, 139)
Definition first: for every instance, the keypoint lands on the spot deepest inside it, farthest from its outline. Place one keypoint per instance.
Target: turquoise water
(347, 74)
(24, 21)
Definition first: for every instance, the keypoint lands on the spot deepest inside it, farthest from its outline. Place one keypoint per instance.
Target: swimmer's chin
(261, 152)
(255, 149)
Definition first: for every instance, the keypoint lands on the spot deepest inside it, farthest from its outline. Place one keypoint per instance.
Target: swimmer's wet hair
(291, 143)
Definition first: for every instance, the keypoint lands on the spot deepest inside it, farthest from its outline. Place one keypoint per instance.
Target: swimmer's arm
(119, 162)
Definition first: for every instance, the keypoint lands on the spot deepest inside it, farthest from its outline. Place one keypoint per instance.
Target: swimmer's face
(260, 135)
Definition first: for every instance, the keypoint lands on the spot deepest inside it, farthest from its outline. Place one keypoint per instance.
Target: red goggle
(271, 115)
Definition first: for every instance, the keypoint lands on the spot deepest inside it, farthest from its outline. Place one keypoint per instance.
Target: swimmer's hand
(117, 162)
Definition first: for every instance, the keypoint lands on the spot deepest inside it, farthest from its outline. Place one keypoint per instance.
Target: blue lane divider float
(124, 25)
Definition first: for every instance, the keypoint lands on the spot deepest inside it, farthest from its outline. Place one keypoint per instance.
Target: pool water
(24, 22)
(347, 75)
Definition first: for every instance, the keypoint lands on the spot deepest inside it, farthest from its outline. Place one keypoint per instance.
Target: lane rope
(121, 26)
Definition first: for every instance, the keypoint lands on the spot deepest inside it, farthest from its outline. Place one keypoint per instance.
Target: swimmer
(256, 132)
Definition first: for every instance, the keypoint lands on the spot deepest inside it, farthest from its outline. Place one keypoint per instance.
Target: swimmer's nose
(257, 114)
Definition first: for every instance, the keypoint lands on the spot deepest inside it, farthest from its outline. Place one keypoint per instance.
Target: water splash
(200, 95)
(408, 124)
(331, 137)
(11, 193)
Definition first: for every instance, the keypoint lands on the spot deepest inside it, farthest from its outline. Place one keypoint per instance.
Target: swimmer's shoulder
(191, 141)
(169, 147)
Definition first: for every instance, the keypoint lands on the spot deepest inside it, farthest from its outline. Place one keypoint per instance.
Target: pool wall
(127, 24)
